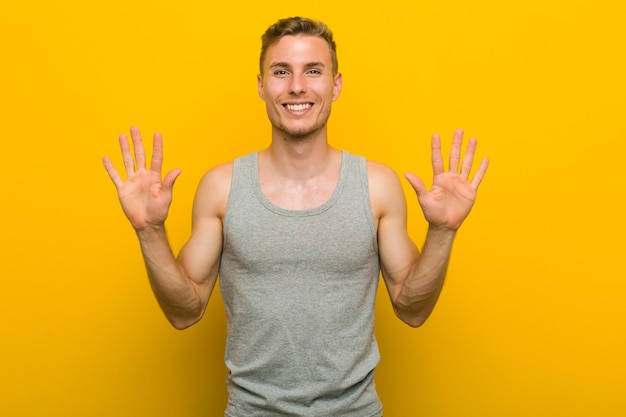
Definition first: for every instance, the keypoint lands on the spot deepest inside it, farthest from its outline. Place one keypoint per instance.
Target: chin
(300, 133)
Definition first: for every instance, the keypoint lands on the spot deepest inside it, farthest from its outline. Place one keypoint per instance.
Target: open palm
(144, 196)
(452, 195)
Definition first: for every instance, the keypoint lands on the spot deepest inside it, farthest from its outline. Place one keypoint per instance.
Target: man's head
(299, 79)
(298, 26)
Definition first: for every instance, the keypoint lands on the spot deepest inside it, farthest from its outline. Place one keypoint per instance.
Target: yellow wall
(532, 319)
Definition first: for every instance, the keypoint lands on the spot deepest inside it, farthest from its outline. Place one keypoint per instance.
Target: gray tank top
(299, 288)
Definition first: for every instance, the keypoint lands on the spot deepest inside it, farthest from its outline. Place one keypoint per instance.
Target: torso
(309, 279)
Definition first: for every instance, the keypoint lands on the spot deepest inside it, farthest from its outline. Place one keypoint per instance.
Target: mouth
(298, 107)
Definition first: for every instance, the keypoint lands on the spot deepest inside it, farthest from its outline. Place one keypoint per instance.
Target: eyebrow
(286, 65)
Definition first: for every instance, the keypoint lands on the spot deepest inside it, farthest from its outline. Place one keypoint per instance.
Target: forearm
(172, 287)
(418, 295)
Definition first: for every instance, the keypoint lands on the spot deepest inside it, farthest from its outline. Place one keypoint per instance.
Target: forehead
(298, 49)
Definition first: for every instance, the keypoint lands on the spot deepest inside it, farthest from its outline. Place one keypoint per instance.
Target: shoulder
(218, 174)
(381, 178)
(217, 178)
(385, 189)
(378, 171)
(213, 190)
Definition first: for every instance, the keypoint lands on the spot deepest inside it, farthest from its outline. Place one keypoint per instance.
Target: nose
(297, 84)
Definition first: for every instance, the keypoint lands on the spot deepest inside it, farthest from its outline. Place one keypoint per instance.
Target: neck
(299, 158)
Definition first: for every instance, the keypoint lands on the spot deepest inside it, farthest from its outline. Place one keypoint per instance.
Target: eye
(280, 73)
(315, 72)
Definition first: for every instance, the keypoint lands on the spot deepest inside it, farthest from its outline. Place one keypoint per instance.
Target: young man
(298, 234)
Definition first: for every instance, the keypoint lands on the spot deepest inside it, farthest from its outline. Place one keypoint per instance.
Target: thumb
(417, 184)
(170, 178)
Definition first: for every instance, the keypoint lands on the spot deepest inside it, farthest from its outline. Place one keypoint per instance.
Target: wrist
(440, 233)
(150, 231)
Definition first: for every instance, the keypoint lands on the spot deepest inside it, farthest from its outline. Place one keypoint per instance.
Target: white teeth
(298, 107)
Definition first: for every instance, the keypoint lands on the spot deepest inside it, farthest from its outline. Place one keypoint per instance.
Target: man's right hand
(144, 196)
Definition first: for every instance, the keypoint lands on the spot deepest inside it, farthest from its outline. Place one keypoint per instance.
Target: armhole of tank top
(232, 194)
(367, 204)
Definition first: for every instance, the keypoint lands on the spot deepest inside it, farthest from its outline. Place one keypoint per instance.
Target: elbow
(182, 316)
(413, 316)
(415, 312)
(183, 321)
(414, 321)
(180, 324)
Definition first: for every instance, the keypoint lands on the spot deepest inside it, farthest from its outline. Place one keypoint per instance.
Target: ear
(259, 80)
(338, 83)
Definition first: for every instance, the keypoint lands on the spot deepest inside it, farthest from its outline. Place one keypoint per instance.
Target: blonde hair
(298, 26)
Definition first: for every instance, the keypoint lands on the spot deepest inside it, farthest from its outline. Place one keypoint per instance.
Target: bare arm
(414, 280)
(182, 287)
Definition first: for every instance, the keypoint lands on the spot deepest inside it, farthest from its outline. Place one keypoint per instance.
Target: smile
(298, 107)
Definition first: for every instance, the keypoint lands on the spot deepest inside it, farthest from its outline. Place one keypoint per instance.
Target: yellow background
(532, 319)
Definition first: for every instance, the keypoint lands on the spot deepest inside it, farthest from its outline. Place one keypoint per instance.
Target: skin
(299, 170)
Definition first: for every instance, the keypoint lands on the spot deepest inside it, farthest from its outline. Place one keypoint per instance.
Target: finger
(480, 173)
(455, 152)
(140, 153)
(115, 177)
(436, 156)
(468, 159)
(157, 153)
(170, 178)
(127, 157)
(417, 183)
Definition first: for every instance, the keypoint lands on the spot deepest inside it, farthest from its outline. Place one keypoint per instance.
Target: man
(298, 233)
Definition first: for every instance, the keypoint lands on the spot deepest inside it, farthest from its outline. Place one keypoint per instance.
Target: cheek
(269, 89)
(270, 92)
(266, 93)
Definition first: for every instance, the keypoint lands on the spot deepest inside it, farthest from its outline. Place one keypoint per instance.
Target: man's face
(298, 85)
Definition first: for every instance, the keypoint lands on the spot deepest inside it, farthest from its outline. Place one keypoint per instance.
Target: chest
(338, 240)
(297, 197)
